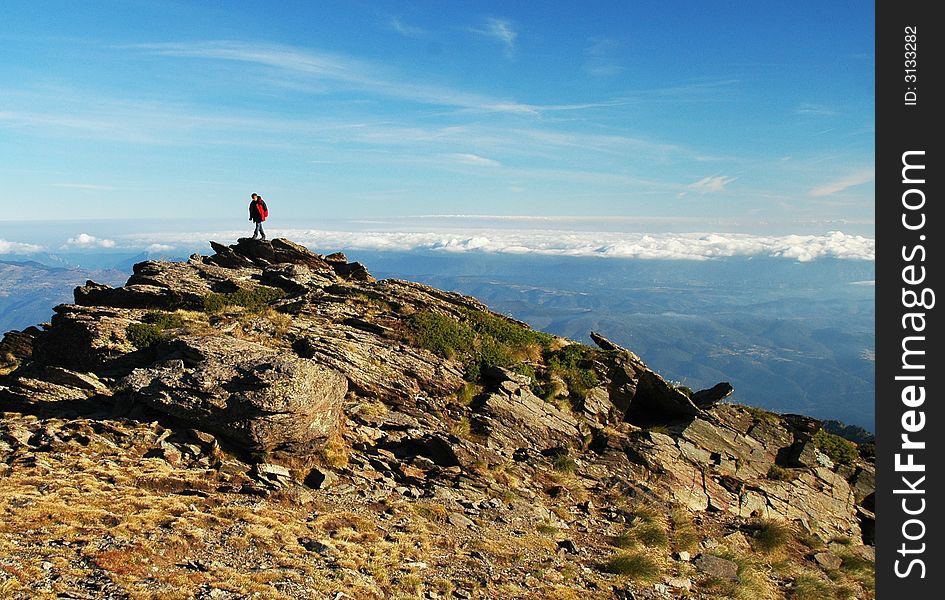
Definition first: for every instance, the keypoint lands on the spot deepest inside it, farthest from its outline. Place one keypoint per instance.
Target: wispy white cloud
(84, 240)
(839, 185)
(711, 184)
(474, 159)
(321, 64)
(501, 30)
(331, 67)
(157, 248)
(7, 247)
(404, 29)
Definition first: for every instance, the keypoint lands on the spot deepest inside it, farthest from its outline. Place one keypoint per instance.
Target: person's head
(254, 196)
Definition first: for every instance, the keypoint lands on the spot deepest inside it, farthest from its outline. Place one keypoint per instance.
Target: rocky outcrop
(511, 416)
(17, 346)
(640, 394)
(332, 354)
(256, 397)
(88, 338)
(731, 461)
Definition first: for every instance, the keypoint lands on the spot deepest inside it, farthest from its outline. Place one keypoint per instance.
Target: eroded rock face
(261, 399)
(511, 417)
(723, 462)
(87, 338)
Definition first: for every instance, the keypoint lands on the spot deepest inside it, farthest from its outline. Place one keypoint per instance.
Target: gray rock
(712, 396)
(525, 420)
(459, 520)
(252, 395)
(274, 476)
(679, 583)
(716, 566)
(828, 560)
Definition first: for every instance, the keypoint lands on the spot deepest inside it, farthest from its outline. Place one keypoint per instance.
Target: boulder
(87, 338)
(376, 368)
(716, 566)
(248, 252)
(712, 396)
(17, 346)
(828, 560)
(253, 396)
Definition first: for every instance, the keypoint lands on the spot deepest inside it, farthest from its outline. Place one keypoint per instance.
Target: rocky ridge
(372, 413)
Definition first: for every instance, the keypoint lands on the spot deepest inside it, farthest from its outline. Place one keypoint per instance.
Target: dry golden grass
(461, 428)
(336, 451)
(435, 513)
(372, 409)
(685, 536)
(101, 509)
(8, 364)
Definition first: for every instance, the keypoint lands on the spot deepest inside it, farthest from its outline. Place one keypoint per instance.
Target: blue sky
(739, 113)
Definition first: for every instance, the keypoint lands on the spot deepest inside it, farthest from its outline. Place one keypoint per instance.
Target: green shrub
(573, 364)
(481, 340)
(164, 320)
(506, 332)
(527, 370)
(151, 329)
(441, 334)
(143, 335)
(253, 299)
(493, 353)
(637, 566)
(839, 450)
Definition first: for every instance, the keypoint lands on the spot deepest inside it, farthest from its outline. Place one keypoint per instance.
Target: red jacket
(258, 211)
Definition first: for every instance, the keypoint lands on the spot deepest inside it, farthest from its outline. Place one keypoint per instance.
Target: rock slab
(251, 395)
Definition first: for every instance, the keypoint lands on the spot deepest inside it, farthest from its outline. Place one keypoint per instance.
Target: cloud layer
(18, 248)
(662, 246)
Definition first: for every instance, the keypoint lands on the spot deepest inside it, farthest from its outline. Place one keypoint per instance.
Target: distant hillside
(29, 290)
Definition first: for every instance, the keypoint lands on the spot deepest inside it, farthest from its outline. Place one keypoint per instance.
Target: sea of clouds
(607, 244)
(664, 246)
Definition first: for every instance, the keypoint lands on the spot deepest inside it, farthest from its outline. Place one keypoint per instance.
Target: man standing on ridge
(258, 211)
